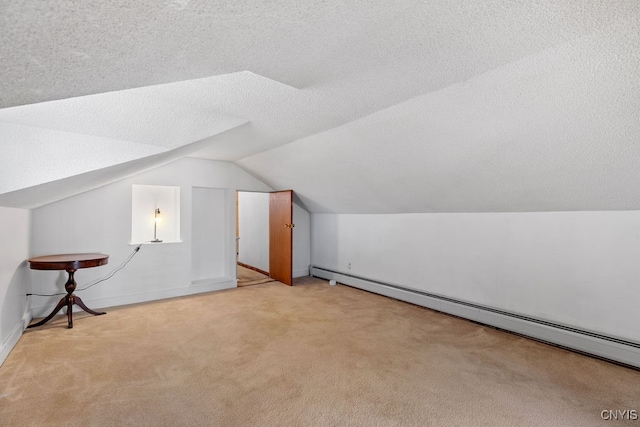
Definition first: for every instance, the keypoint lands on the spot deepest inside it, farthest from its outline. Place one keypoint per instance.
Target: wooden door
(281, 236)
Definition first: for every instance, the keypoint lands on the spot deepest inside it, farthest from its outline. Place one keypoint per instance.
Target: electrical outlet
(349, 266)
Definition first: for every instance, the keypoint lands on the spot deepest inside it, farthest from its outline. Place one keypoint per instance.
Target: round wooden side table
(70, 263)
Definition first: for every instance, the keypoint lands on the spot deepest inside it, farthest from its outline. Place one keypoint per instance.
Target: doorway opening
(249, 277)
(264, 237)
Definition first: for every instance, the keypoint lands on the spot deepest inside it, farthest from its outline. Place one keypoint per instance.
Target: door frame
(272, 252)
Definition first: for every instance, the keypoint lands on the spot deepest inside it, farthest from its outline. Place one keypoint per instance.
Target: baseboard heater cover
(599, 345)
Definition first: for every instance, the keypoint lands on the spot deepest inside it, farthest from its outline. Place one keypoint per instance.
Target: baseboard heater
(602, 346)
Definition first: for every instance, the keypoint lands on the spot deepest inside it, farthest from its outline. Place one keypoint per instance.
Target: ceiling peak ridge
(48, 192)
(104, 138)
(407, 101)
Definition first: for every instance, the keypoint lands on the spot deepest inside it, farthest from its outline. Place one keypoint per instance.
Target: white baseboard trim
(26, 319)
(14, 336)
(599, 345)
(96, 303)
(212, 281)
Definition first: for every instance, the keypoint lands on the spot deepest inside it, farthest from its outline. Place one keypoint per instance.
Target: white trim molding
(14, 336)
(591, 343)
(115, 301)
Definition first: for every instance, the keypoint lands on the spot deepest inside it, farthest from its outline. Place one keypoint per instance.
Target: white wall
(301, 241)
(208, 238)
(100, 221)
(576, 268)
(253, 224)
(14, 276)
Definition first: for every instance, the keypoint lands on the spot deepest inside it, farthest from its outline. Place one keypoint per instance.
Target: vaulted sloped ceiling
(374, 107)
(558, 130)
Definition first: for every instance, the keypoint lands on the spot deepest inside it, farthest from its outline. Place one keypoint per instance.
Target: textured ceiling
(162, 115)
(559, 130)
(358, 106)
(67, 185)
(59, 49)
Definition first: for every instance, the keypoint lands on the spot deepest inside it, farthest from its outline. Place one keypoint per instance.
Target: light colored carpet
(307, 355)
(248, 277)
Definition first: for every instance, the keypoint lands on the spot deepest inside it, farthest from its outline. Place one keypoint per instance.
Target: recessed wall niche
(209, 242)
(146, 223)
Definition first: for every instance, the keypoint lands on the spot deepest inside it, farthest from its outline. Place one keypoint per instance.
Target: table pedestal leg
(68, 300)
(77, 301)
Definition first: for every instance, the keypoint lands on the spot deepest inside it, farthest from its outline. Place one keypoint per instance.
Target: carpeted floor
(248, 277)
(307, 355)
